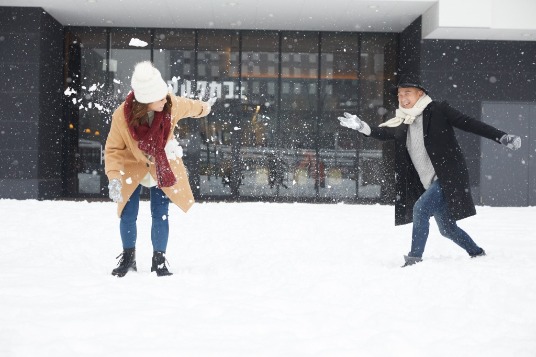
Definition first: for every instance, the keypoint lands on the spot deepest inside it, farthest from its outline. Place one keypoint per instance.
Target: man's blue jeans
(159, 214)
(432, 203)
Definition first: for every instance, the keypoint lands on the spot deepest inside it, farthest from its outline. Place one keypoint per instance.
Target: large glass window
(273, 133)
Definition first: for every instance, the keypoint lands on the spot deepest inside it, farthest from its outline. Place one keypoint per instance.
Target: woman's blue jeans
(432, 203)
(159, 214)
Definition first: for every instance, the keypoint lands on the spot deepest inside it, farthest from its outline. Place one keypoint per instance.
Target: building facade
(273, 134)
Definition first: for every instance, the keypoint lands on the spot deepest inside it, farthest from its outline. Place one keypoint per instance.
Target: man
(431, 175)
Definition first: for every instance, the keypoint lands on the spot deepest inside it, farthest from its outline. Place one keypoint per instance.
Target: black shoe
(481, 254)
(410, 261)
(127, 262)
(159, 264)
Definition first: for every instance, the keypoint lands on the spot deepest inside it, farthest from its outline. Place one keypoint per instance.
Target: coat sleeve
(114, 151)
(189, 108)
(382, 134)
(466, 123)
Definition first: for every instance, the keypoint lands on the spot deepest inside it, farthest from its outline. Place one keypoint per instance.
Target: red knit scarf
(152, 140)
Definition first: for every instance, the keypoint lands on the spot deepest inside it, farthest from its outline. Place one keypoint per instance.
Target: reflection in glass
(262, 167)
(217, 75)
(339, 92)
(377, 67)
(299, 108)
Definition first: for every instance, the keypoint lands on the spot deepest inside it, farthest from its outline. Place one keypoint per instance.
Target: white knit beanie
(147, 83)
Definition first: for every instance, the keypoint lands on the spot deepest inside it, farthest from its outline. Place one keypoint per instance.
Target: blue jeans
(159, 214)
(432, 203)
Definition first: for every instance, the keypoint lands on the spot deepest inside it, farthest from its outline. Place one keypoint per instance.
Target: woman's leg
(160, 224)
(129, 216)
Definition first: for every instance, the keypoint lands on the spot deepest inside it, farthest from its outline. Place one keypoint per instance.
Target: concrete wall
(31, 68)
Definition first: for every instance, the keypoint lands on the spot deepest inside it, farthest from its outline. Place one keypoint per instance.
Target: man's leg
(423, 209)
(449, 229)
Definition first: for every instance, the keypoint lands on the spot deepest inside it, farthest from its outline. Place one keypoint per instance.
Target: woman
(141, 150)
(430, 171)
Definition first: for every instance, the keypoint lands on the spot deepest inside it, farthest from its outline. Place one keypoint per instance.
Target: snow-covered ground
(260, 279)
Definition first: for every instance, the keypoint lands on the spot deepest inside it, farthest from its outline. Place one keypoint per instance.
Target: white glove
(173, 150)
(352, 122)
(211, 101)
(114, 190)
(511, 141)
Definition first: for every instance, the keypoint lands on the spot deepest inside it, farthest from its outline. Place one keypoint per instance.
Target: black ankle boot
(127, 262)
(159, 264)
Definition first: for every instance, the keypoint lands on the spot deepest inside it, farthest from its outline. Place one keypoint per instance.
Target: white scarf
(407, 116)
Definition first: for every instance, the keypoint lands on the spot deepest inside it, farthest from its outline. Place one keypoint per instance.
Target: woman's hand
(114, 190)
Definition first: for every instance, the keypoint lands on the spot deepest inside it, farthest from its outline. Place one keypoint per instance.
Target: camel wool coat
(125, 161)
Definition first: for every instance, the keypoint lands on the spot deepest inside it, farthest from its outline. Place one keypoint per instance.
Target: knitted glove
(211, 101)
(511, 141)
(173, 150)
(114, 190)
(352, 122)
(207, 105)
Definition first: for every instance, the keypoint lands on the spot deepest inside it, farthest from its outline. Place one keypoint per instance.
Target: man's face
(407, 97)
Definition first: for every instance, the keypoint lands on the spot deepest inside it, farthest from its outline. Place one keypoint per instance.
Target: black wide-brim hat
(409, 80)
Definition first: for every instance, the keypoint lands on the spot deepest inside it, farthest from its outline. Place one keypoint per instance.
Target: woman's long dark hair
(139, 111)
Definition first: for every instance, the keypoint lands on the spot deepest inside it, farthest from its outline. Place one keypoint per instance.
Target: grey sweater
(418, 154)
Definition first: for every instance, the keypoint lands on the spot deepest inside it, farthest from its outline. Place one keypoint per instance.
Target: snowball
(137, 42)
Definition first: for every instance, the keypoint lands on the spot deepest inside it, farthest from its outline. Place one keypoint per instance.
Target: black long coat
(439, 121)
